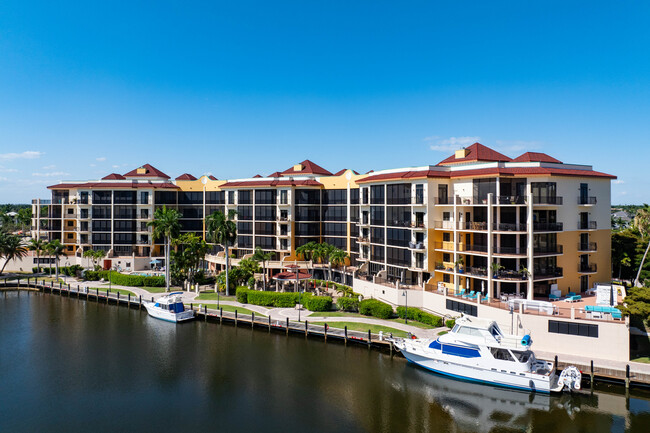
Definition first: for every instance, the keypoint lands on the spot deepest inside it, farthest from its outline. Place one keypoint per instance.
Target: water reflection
(81, 363)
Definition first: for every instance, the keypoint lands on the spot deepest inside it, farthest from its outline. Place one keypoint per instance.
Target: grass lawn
(363, 327)
(411, 323)
(644, 359)
(211, 296)
(336, 314)
(120, 291)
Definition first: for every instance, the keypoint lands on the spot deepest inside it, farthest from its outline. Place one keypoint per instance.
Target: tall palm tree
(56, 249)
(322, 253)
(338, 257)
(11, 248)
(166, 224)
(307, 250)
(261, 256)
(90, 255)
(222, 230)
(97, 256)
(642, 223)
(37, 245)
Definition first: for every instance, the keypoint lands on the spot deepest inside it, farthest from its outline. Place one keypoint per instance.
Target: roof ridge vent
(461, 153)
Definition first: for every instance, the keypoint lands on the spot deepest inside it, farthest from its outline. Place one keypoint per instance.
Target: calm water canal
(68, 365)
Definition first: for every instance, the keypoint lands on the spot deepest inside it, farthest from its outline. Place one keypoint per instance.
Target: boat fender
(526, 340)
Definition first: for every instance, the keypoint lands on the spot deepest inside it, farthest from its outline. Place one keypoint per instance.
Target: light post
(406, 306)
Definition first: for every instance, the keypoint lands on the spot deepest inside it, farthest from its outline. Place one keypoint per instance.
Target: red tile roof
(421, 174)
(151, 171)
(276, 174)
(536, 157)
(113, 176)
(340, 172)
(268, 183)
(186, 176)
(211, 177)
(308, 168)
(114, 185)
(257, 176)
(476, 152)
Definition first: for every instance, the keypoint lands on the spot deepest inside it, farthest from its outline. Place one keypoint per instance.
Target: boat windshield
(522, 356)
(501, 354)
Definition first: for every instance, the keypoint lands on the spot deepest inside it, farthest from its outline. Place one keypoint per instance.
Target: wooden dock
(590, 374)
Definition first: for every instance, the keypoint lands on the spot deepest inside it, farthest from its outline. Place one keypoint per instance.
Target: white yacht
(169, 307)
(476, 350)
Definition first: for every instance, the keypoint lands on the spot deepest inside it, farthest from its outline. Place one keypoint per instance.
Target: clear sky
(243, 87)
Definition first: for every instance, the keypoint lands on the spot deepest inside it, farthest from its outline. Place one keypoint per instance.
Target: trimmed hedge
(373, 307)
(420, 316)
(318, 303)
(126, 280)
(450, 323)
(348, 304)
(70, 271)
(283, 300)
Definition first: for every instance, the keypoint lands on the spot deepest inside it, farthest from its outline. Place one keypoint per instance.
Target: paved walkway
(276, 313)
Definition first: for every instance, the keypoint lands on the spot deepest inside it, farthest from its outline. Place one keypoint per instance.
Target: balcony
(416, 245)
(509, 227)
(587, 247)
(587, 201)
(549, 200)
(547, 227)
(445, 225)
(548, 250)
(444, 201)
(472, 225)
(587, 268)
(469, 248)
(418, 201)
(547, 273)
(398, 223)
(446, 246)
(283, 219)
(363, 240)
(417, 225)
(509, 251)
(475, 272)
(587, 225)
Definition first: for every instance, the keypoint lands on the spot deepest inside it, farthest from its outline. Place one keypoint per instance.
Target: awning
(291, 276)
(155, 262)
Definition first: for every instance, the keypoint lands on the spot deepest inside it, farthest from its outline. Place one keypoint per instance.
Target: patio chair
(468, 295)
(553, 297)
(472, 295)
(461, 293)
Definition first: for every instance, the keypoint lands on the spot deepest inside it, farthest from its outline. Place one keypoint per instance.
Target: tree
(261, 256)
(89, 254)
(642, 223)
(322, 253)
(166, 225)
(37, 245)
(97, 256)
(239, 275)
(11, 248)
(56, 249)
(222, 230)
(307, 250)
(338, 257)
(191, 251)
(25, 217)
(625, 262)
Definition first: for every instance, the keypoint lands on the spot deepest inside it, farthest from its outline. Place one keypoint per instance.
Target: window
(307, 196)
(165, 197)
(377, 235)
(124, 197)
(570, 328)
(215, 197)
(335, 196)
(399, 216)
(398, 193)
(265, 213)
(231, 197)
(377, 194)
(397, 237)
(265, 196)
(245, 197)
(101, 226)
(398, 257)
(334, 229)
(123, 238)
(264, 229)
(501, 354)
(70, 223)
(377, 253)
(307, 229)
(377, 215)
(245, 228)
(244, 241)
(265, 242)
(446, 237)
(123, 225)
(245, 212)
(284, 196)
(186, 197)
(335, 213)
(308, 213)
(101, 197)
(461, 307)
(101, 211)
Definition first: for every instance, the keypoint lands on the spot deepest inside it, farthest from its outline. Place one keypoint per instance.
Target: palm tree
(222, 230)
(625, 261)
(37, 245)
(56, 249)
(307, 250)
(642, 223)
(166, 225)
(97, 256)
(261, 256)
(11, 248)
(89, 254)
(322, 253)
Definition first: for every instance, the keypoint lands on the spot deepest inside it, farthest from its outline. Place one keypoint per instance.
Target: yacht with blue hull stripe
(477, 350)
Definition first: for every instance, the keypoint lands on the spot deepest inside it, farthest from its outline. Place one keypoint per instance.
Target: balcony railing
(553, 200)
(555, 249)
(399, 223)
(587, 246)
(509, 227)
(511, 199)
(476, 272)
(587, 200)
(449, 225)
(363, 240)
(283, 219)
(417, 224)
(543, 273)
(587, 225)
(475, 248)
(587, 268)
(513, 251)
(449, 246)
(547, 227)
(417, 200)
(472, 225)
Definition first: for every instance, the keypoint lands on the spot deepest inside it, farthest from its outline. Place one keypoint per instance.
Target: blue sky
(240, 88)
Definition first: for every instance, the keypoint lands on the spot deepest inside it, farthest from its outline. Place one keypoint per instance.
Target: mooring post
(205, 313)
(192, 306)
(369, 338)
(345, 330)
(325, 331)
(77, 291)
(106, 297)
(269, 323)
(68, 290)
(627, 376)
(306, 328)
(556, 364)
(252, 319)
(391, 348)
(591, 374)
(140, 302)
(118, 298)
(235, 318)
(287, 326)
(220, 315)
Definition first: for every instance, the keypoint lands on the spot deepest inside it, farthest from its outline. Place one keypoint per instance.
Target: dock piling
(287, 326)
(591, 375)
(345, 331)
(306, 328)
(369, 338)
(220, 316)
(252, 319)
(627, 376)
(325, 332)
(235, 318)
(269, 323)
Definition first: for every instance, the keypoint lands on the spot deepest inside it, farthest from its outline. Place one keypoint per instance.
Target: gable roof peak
(475, 153)
(146, 170)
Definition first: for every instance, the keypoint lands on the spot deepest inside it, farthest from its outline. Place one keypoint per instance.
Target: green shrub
(420, 316)
(125, 280)
(318, 303)
(450, 323)
(373, 307)
(242, 295)
(273, 299)
(347, 304)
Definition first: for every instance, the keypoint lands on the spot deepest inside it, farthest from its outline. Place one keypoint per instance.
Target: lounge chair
(553, 297)
(574, 298)
(470, 295)
(461, 293)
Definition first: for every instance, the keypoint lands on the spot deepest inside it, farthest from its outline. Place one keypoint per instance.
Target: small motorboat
(169, 307)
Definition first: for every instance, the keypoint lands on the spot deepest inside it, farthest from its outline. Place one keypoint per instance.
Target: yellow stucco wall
(570, 260)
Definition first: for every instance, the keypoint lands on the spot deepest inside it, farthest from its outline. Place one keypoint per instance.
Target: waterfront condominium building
(477, 220)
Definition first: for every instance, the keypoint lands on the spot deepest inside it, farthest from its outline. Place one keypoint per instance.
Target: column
(489, 249)
(529, 245)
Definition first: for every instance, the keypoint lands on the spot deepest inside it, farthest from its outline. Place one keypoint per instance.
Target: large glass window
(265, 242)
(125, 212)
(398, 257)
(101, 225)
(265, 213)
(377, 194)
(398, 193)
(335, 196)
(354, 196)
(101, 197)
(334, 229)
(307, 229)
(483, 187)
(123, 225)
(335, 213)
(307, 196)
(308, 213)
(244, 228)
(124, 197)
(377, 253)
(397, 237)
(264, 228)
(191, 211)
(189, 197)
(377, 235)
(245, 197)
(245, 213)
(101, 212)
(398, 216)
(244, 242)
(215, 197)
(165, 197)
(377, 215)
(265, 196)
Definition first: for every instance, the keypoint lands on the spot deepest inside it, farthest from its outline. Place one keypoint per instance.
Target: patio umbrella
(155, 262)
(483, 287)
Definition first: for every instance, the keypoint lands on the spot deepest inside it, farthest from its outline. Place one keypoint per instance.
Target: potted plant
(459, 263)
(496, 267)
(524, 272)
